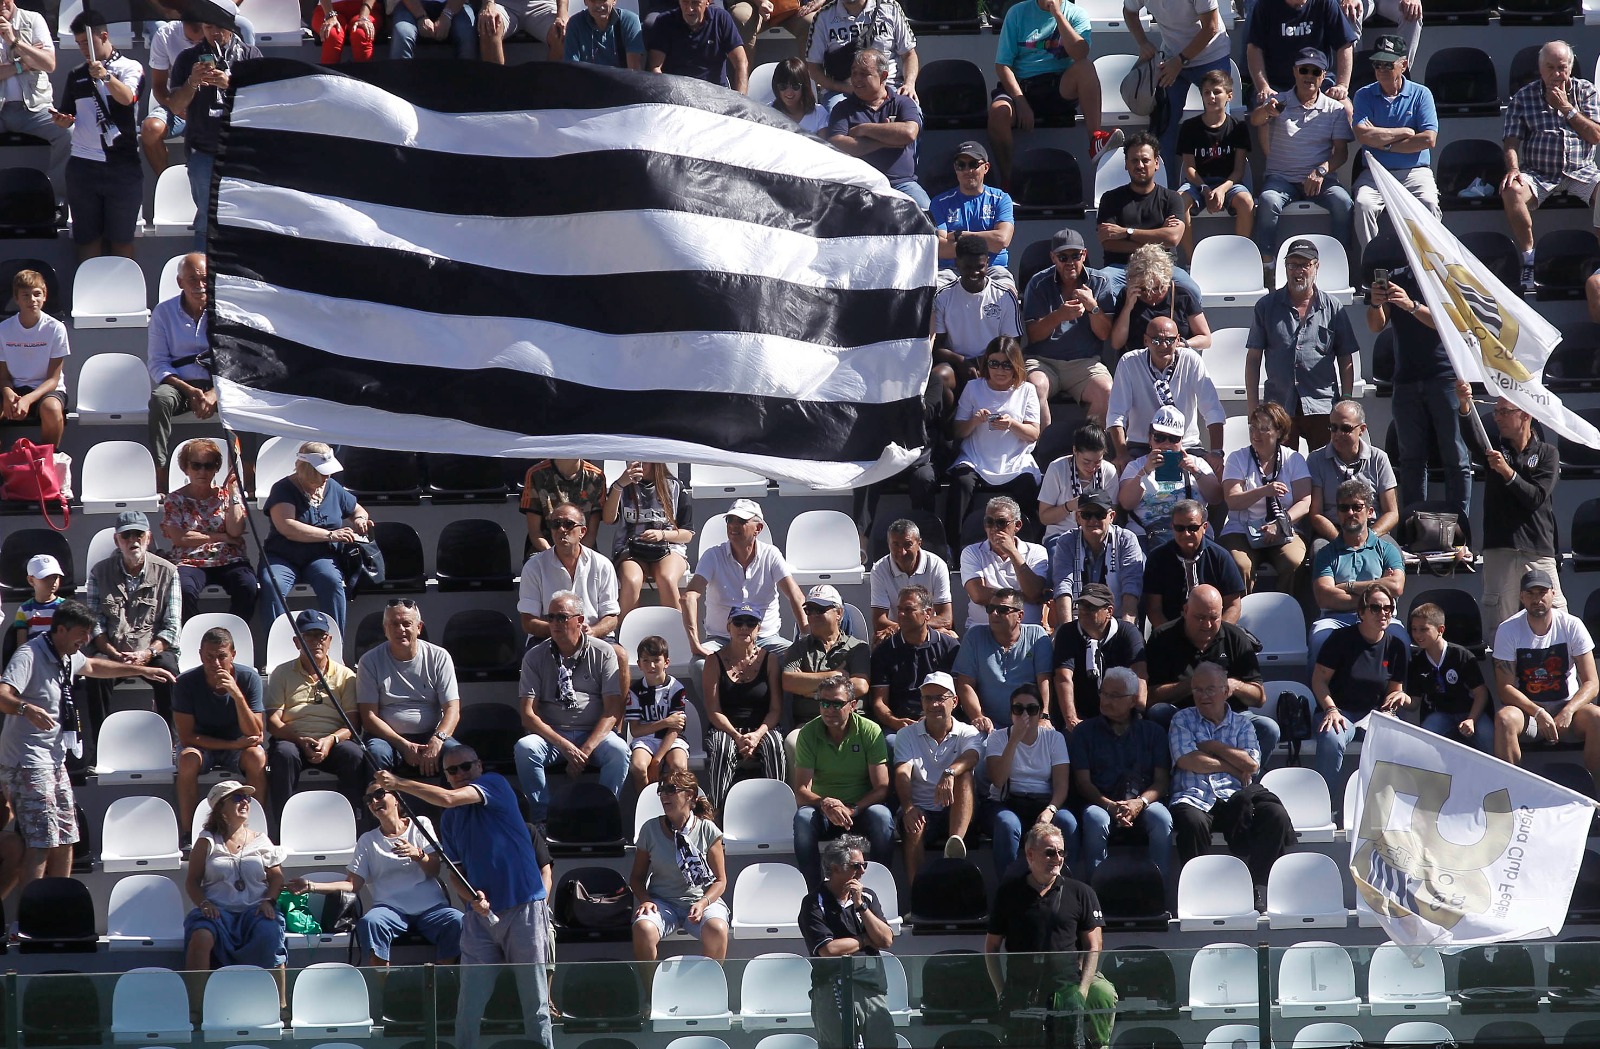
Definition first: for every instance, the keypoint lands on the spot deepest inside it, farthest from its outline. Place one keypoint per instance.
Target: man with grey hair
(1551, 127)
(878, 125)
(1120, 770)
(841, 779)
(1348, 454)
(908, 564)
(1002, 559)
(843, 919)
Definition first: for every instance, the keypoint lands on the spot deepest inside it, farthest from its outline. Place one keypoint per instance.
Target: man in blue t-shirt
(700, 41)
(219, 713)
(974, 208)
(878, 125)
(507, 922)
(1395, 119)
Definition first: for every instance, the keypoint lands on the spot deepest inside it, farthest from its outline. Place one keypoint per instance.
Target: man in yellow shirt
(305, 728)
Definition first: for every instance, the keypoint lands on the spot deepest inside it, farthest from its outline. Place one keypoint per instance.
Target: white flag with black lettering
(564, 260)
(1453, 846)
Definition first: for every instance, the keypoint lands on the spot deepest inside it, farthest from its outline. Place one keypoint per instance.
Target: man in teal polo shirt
(1343, 568)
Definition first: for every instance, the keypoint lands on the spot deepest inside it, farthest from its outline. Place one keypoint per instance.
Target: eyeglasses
(744, 621)
(1053, 854)
(377, 795)
(562, 617)
(1161, 340)
(1380, 610)
(968, 165)
(1004, 610)
(1503, 412)
(833, 704)
(566, 525)
(999, 362)
(1028, 709)
(1309, 71)
(997, 522)
(1383, 65)
(205, 464)
(1346, 427)
(401, 602)
(451, 770)
(1187, 529)
(1352, 508)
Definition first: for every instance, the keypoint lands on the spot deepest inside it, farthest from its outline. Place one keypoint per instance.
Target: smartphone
(1171, 468)
(208, 59)
(1380, 278)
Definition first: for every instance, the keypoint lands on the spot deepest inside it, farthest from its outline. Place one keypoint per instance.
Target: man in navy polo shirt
(1187, 560)
(700, 41)
(878, 125)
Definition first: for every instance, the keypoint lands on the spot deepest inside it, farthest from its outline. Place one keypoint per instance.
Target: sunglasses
(1383, 65)
(205, 464)
(1004, 610)
(997, 522)
(1380, 610)
(377, 795)
(667, 788)
(744, 621)
(566, 526)
(1187, 529)
(859, 866)
(1029, 709)
(1092, 515)
(401, 602)
(1346, 427)
(999, 362)
(1053, 854)
(1309, 71)
(786, 87)
(968, 165)
(1161, 340)
(1165, 438)
(833, 704)
(1069, 256)
(451, 770)
(239, 799)
(1352, 508)
(817, 610)
(562, 617)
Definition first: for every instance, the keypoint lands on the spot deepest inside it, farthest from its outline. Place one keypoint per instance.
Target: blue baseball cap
(311, 619)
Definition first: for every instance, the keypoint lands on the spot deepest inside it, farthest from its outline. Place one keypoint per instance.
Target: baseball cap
(1099, 498)
(1310, 56)
(974, 150)
(1095, 595)
(824, 595)
(132, 521)
(323, 462)
(747, 611)
(1169, 420)
(1306, 249)
(43, 566)
(938, 679)
(745, 510)
(1390, 48)
(1536, 578)
(311, 619)
(1067, 240)
(226, 789)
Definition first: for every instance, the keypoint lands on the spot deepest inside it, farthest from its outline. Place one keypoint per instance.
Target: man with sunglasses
(572, 564)
(1544, 675)
(821, 652)
(997, 658)
(1187, 560)
(1307, 135)
(973, 207)
(1086, 650)
(507, 919)
(1003, 559)
(1395, 119)
(1349, 455)
(1097, 551)
(1343, 568)
(1067, 309)
(841, 779)
(737, 572)
(175, 349)
(138, 598)
(845, 930)
(407, 693)
(1165, 372)
(973, 310)
(934, 759)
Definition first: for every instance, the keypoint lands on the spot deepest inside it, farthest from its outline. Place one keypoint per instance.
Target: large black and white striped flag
(557, 259)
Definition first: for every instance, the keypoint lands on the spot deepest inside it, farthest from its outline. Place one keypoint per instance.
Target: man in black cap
(1307, 139)
(1098, 550)
(1085, 649)
(1545, 677)
(1395, 119)
(138, 599)
(973, 207)
(1064, 309)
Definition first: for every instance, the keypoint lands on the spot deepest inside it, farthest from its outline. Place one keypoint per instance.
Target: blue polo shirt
(491, 843)
(587, 44)
(701, 53)
(1071, 340)
(998, 672)
(1412, 108)
(1364, 563)
(897, 165)
(958, 213)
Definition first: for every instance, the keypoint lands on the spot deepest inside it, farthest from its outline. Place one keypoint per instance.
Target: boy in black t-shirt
(1213, 148)
(656, 716)
(1446, 679)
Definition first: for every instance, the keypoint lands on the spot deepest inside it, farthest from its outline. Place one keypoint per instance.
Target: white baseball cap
(42, 566)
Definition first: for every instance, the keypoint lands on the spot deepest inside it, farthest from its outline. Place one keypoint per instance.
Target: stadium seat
(940, 17)
(1326, 1036)
(1114, 111)
(1305, 794)
(697, 1041)
(1539, 12)
(1419, 1032)
(956, 989)
(60, 1008)
(146, 912)
(1224, 361)
(1146, 983)
(405, 567)
(1233, 1036)
(176, 478)
(936, 171)
(167, 283)
(1498, 978)
(27, 205)
(1574, 365)
(20, 546)
(241, 1002)
(257, 820)
(766, 902)
(666, 623)
(725, 482)
(898, 996)
(1496, 251)
(491, 729)
(195, 627)
(56, 916)
(585, 820)
(1132, 892)
(775, 992)
(1578, 460)
(1033, 259)
(759, 86)
(174, 204)
(135, 746)
(1463, 83)
(1047, 184)
(473, 554)
(54, 303)
(824, 547)
(598, 997)
(113, 389)
(758, 818)
(1406, 980)
(318, 827)
(953, 93)
(1333, 273)
(280, 642)
(1305, 889)
(714, 532)
(1466, 168)
(108, 292)
(788, 1040)
(455, 479)
(121, 30)
(690, 993)
(1277, 621)
(277, 23)
(1317, 978)
(150, 1006)
(380, 476)
(274, 461)
(1215, 894)
(1562, 260)
(1573, 983)
(1228, 270)
(485, 645)
(330, 1000)
(117, 476)
(1229, 988)
(1463, 622)
(881, 881)
(102, 545)
(646, 808)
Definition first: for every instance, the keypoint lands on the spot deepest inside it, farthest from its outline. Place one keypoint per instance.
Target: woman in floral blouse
(204, 522)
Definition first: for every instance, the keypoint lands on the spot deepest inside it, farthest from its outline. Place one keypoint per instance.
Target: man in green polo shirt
(841, 779)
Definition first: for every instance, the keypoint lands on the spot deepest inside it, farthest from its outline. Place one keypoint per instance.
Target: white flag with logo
(1492, 334)
(1453, 846)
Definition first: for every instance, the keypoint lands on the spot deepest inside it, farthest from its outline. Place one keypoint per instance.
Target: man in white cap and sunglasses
(742, 570)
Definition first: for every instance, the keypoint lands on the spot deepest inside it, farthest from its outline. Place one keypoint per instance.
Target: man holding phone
(197, 85)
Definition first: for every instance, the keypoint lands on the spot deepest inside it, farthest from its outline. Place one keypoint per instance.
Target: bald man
(179, 382)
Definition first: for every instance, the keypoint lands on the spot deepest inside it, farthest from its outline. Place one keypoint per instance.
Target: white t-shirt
(927, 758)
(973, 321)
(1242, 465)
(543, 576)
(888, 581)
(410, 695)
(392, 879)
(1546, 668)
(883, 20)
(998, 455)
(979, 561)
(29, 351)
(32, 88)
(1179, 22)
(165, 46)
(1031, 763)
(1056, 489)
(1155, 505)
(729, 584)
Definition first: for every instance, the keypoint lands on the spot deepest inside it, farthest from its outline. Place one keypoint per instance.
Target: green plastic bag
(296, 911)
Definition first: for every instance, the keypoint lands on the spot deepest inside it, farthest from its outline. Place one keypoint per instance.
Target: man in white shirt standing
(1545, 675)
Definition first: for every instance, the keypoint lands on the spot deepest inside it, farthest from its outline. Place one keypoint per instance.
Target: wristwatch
(1571, 112)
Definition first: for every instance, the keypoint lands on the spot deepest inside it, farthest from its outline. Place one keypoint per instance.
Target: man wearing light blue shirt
(973, 207)
(1395, 119)
(179, 382)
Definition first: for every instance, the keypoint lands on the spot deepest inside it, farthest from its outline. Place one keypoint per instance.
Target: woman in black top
(1360, 669)
(743, 692)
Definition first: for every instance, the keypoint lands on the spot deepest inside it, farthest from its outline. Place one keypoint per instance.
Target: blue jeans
(199, 169)
(1006, 829)
(876, 824)
(1327, 622)
(1330, 752)
(403, 30)
(1177, 95)
(911, 189)
(1278, 193)
(1116, 276)
(322, 575)
(381, 751)
(1445, 725)
(534, 754)
(440, 925)
(1429, 408)
(1155, 821)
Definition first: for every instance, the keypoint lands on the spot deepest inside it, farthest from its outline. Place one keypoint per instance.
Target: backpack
(1294, 718)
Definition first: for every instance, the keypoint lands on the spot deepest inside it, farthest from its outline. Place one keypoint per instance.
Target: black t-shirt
(1179, 305)
(1448, 687)
(204, 128)
(1164, 575)
(1418, 353)
(1362, 669)
(1124, 207)
(1123, 648)
(1043, 925)
(1213, 147)
(902, 666)
(1170, 655)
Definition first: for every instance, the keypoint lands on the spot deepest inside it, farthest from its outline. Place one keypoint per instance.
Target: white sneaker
(955, 848)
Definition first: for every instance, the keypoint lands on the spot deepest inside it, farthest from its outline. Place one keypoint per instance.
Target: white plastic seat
(1402, 981)
(690, 993)
(880, 880)
(318, 827)
(244, 643)
(794, 1040)
(145, 912)
(775, 992)
(135, 747)
(1418, 1032)
(150, 1005)
(257, 820)
(1305, 891)
(1228, 270)
(167, 284)
(1222, 982)
(1317, 978)
(113, 389)
(139, 834)
(330, 999)
(1333, 268)
(1304, 794)
(118, 476)
(1224, 363)
(824, 547)
(758, 818)
(241, 1002)
(1277, 621)
(1234, 1036)
(759, 87)
(725, 482)
(1106, 16)
(1326, 1036)
(277, 23)
(1215, 893)
(176, 478)
(274, 462)
(102, 545)
(694, 734)
(280, 641)
(108, 292)
(174, 206)
(666, 623)
(1114, 111)
(766, 902)
(897, 995)
(697, 1041)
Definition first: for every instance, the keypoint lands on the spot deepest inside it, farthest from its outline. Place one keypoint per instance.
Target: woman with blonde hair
(1151, 292)
(309, 512)
(653, 543)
